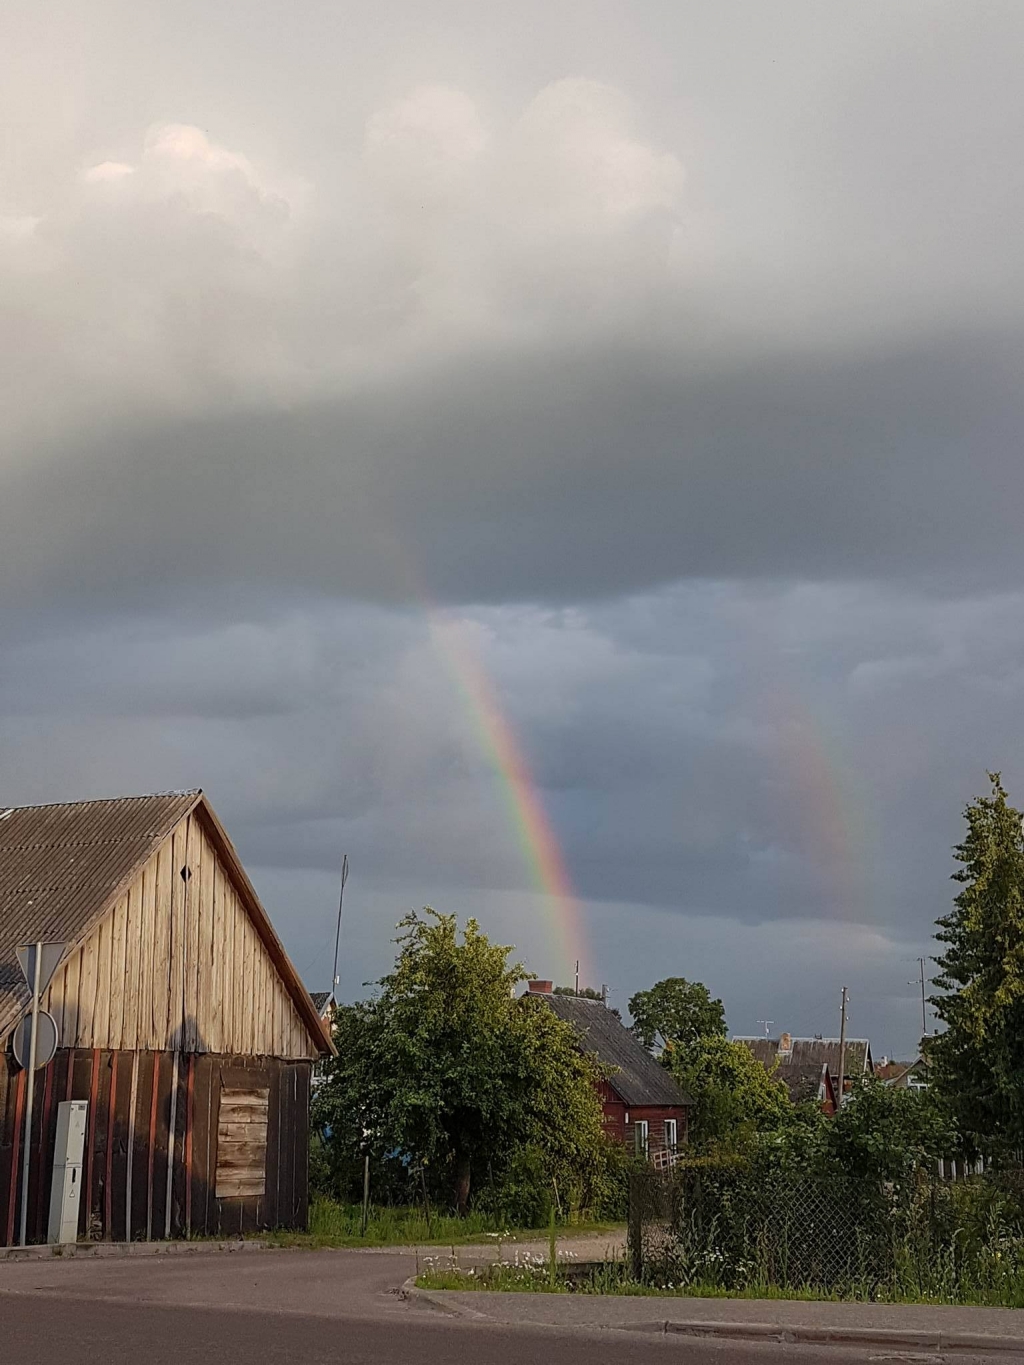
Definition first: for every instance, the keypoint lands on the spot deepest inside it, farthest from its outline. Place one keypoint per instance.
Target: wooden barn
(180, 1020)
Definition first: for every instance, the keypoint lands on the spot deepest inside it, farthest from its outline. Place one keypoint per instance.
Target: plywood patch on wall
(242, 1142)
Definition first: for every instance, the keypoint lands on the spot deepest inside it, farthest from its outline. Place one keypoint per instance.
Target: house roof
(894, 1072)
(321, 999)
(808, 1052)
(803, 1080)
(634, 1073)
(62, 867)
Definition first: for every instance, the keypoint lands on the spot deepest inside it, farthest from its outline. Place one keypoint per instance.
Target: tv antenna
(767, 1026)
(337, 938)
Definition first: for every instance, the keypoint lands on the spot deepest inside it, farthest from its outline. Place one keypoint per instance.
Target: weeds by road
(340, 1225)
(531, 1273)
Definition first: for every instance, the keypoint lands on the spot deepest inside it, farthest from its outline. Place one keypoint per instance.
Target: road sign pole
(26, 1160)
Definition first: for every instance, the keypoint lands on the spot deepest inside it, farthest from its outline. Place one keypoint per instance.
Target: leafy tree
(978, 1062)
(734, 1097)
(884, 1132)
(676, 1011)
(446, 1070)
(348, 1119)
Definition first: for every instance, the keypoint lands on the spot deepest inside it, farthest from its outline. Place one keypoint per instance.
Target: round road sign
(46, 1040)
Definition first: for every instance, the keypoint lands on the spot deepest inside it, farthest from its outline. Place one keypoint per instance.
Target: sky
(647, 372)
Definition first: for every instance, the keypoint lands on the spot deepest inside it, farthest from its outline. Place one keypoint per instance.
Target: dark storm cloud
(669, 736)
(674, 347)
(551, 478)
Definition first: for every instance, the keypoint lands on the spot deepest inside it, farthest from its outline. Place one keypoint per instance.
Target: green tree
(676, 1011)
(347, 1115)
(734, 1097)
(884, 1132)
(445, 1069)
(978, 1062)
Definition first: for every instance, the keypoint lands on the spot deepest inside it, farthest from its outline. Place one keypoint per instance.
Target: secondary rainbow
(536, 836)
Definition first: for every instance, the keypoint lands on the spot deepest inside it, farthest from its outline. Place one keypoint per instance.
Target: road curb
(793, 1334)
(411, 1290)
(894, 1338)
(98, 1251)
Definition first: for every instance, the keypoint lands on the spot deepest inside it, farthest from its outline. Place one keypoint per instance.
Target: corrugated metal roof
(810, 1052)
(803, 1080)
(636, 1076)
(61, 865)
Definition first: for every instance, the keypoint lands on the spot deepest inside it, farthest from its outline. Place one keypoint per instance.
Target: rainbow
(526, 808)
(829, 811)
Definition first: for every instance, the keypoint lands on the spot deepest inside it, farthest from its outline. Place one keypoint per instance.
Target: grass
(339, 1225)
(611, 1282)
(605, 1280)
(533, 1275)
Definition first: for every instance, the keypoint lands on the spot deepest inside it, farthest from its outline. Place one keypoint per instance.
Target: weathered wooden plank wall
(178, 965)
(129, 1143)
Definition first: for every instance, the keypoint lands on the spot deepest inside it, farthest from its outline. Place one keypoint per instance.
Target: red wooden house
(643, 1105)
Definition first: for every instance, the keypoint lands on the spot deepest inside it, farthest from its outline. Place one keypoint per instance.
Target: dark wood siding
(620, 1117)
(113, 1210)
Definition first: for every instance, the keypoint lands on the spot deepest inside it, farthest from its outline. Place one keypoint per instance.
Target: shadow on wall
(178, 1144)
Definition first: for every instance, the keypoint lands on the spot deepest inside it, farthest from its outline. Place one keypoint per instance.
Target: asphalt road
(312, 1309)
(47, 1331)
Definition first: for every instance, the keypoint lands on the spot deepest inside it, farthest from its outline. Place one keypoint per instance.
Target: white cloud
(106, 171)
(192, 275)
(18, 228)
(576, 165)
(423, 145)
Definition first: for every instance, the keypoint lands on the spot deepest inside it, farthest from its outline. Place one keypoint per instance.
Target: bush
(524, 1197)
(741, 1227)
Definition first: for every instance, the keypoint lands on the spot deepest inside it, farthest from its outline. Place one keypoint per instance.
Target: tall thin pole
(924, 1013)
(337, 937)
(26, 1160)
(577, 976)
(842, 1046)
(366, 1193)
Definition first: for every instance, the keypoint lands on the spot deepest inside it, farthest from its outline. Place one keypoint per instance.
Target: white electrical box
(66, 1188)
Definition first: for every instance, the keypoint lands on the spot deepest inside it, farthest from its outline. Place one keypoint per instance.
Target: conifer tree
(978, 1062)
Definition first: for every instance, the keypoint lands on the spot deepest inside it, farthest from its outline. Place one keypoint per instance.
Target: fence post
(635, 1228)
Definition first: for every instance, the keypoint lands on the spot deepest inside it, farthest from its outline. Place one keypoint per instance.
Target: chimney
(786, 1045)
(539, 987)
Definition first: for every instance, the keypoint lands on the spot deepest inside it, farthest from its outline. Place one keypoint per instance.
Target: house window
(671, 1134)
(640, 1136)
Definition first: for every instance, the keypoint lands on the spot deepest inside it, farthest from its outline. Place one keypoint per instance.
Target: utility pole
(30, 1089)
(337, 937)
(842, 1046)
(577, 976)
(924, 1014)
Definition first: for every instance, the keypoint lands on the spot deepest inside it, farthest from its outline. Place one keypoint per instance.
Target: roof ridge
(104, 800)
(794, 1037)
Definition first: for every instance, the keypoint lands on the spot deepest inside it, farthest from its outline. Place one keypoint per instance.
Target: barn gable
(170, 947)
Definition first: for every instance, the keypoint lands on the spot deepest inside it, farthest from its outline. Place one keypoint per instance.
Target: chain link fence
(736, 1228)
